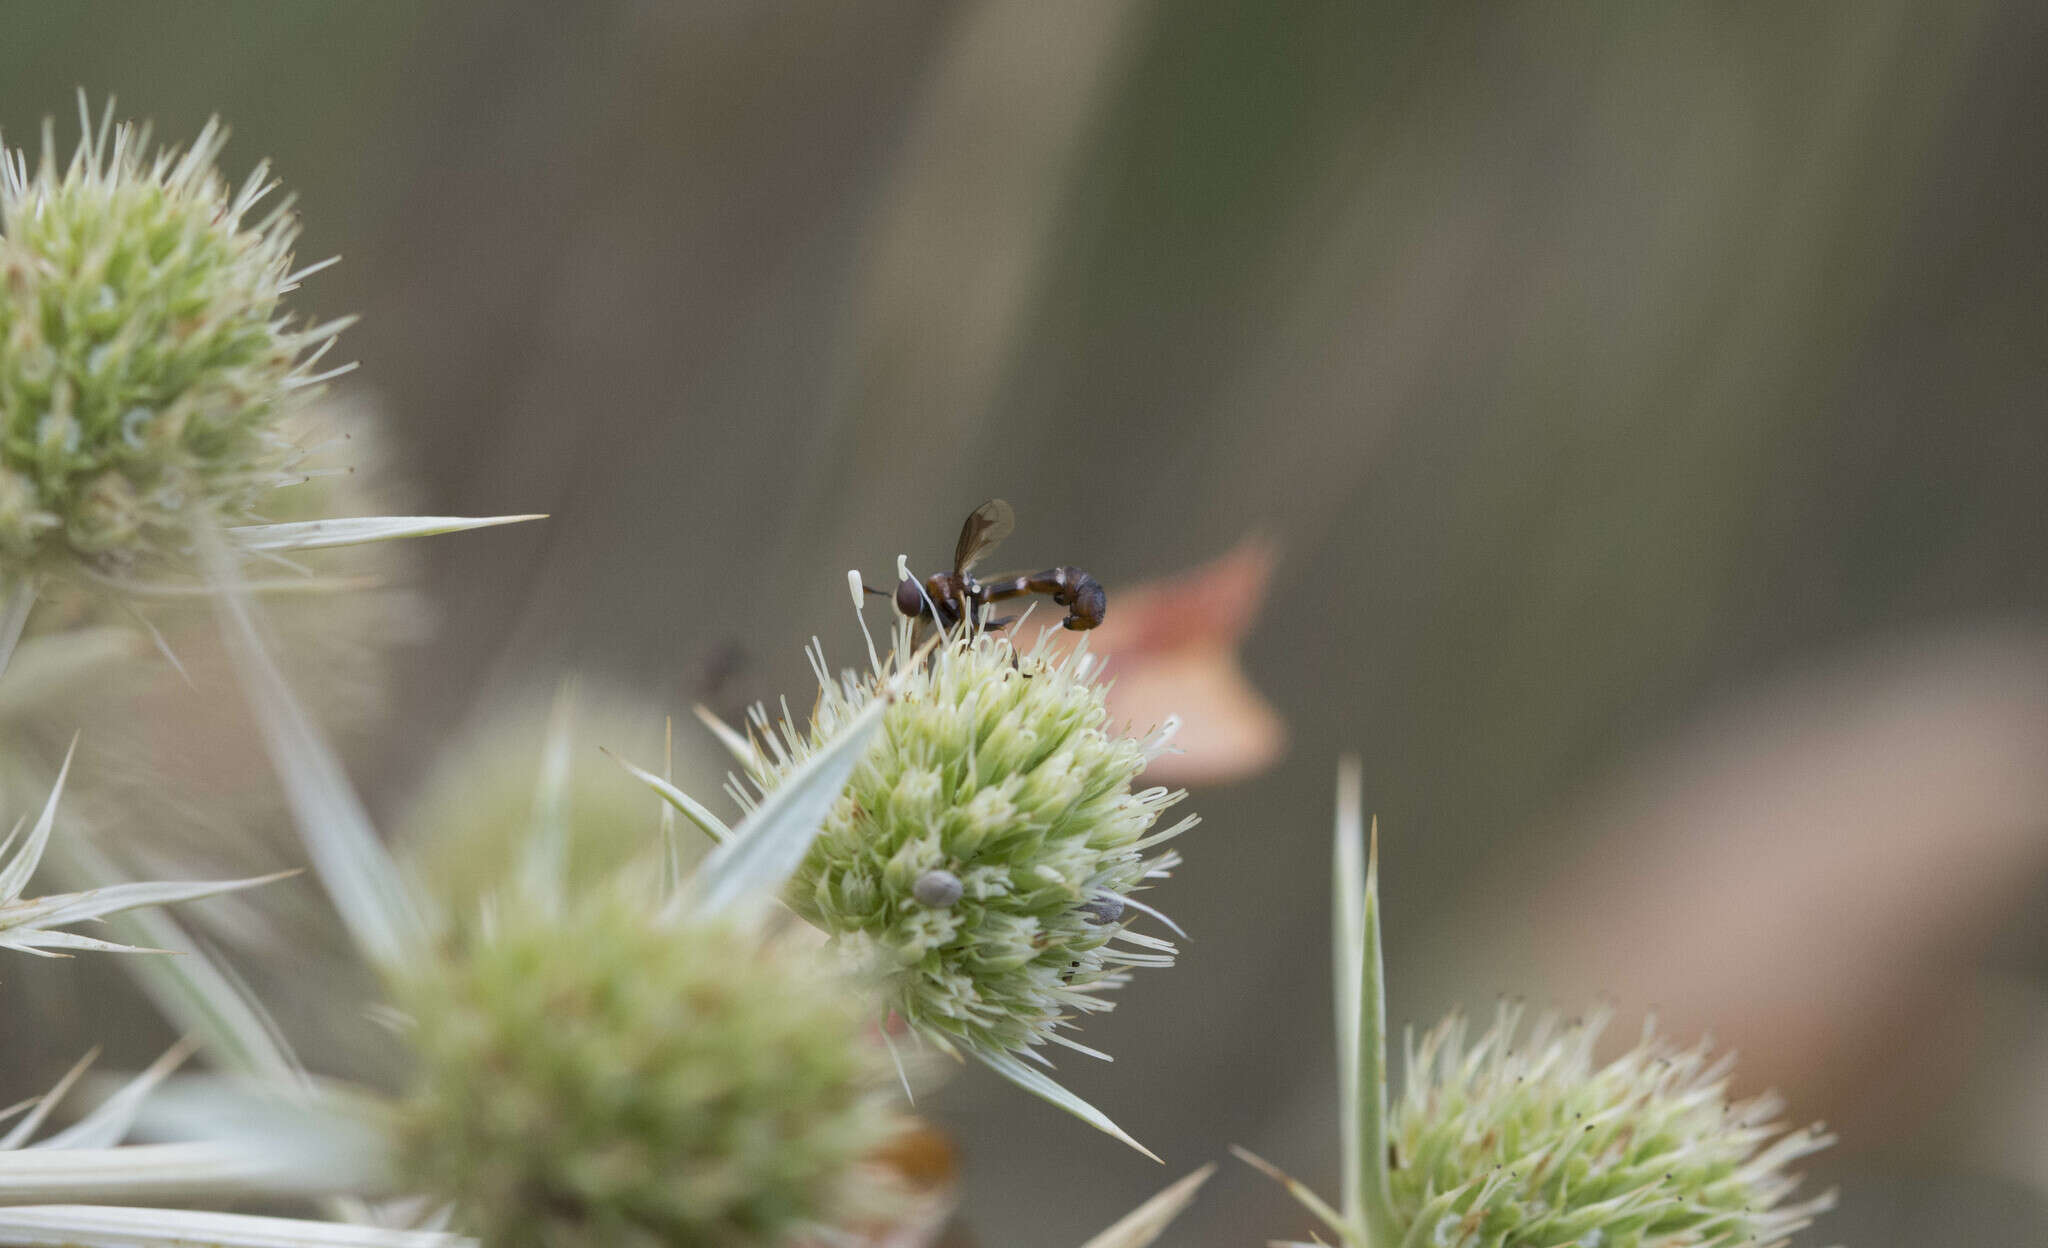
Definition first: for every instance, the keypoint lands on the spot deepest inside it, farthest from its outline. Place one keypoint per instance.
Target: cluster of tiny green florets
(1518, 1142)
(606, 1080)
(144, 363)
(986, 848)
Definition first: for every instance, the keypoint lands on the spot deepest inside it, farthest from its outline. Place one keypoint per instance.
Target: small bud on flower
(937, 888)
(1104, 908)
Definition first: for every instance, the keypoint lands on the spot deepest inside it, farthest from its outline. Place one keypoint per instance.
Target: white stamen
(903, 567)
(1143, 941)
(1162, 737)
(815, 652)
(859, 592)
(1142, 908)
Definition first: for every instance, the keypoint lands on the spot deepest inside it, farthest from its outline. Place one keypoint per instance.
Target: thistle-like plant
(614, 1055)
(89, 1160)
(150, 784)
(148, 367)
(36, 924)
(1523, 1139)
(611, 1068)
(148, 374)
(700, 1085)
(148, 362)
(986, 853)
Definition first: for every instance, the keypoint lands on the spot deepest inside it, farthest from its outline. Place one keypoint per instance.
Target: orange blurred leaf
(1172, 648)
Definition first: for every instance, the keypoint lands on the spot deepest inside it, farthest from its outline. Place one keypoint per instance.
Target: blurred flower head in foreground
(463, 833)
(145, 365)
(604, 1078)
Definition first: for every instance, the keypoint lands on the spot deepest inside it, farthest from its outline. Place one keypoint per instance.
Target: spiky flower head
(1525, 1140)
(145, 364)
(464, 834)
(605, 1079)
(1522, 1138)
(987, 848)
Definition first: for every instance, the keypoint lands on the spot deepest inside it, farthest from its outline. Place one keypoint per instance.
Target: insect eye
(909, 598)
(937, 889)
(1104, 909)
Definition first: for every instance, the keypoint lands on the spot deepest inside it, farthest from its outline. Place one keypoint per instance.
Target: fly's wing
(990, 523)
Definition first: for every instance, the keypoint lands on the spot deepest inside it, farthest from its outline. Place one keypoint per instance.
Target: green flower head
(145, 364)
(1524, 1139)
(605, 1079)
(986, 851)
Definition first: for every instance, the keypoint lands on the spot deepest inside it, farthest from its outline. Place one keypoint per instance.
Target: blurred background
(1638, 414)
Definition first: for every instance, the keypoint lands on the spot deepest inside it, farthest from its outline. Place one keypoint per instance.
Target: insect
(953, 596)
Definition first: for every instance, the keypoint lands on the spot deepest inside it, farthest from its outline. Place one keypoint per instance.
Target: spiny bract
(603, 1079)
(144, 363)
(989, 842)
(1518, 1142)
